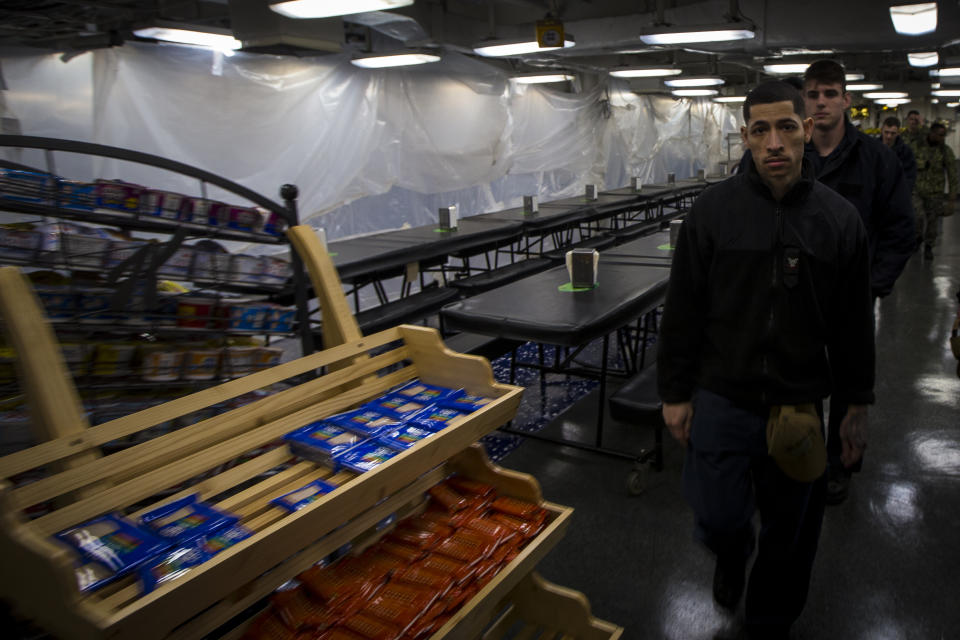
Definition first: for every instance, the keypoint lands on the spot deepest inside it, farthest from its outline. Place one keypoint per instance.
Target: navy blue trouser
(727, 476)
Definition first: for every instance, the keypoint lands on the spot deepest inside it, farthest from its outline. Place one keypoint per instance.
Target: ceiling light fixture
(934, 100)
(644, 72)
(947, 93)
(728, 99)
(786, 69)
(701, 81)
(923, 59)
(301, 9)
(934, 85)
(807, 52)
(543, 78)
(893, 102)
(914, 19)
(953, 104)
(885, 95)
(399, 59)
(670, 36)
(864, 86)
(694, 93)
(945, 72)
(853, 77)
(508, 48)
(221, 41)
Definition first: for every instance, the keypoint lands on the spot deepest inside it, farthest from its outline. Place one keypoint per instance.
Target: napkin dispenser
(582, 267)
(448, 217)
(675, 226)
(530, 204)
(635, 184)
(591, 192)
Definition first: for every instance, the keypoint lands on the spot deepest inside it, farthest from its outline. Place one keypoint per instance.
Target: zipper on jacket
(773, 285)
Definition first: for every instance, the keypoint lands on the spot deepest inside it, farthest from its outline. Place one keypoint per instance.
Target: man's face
(936, 136)
(826, 104)
(913, 122)
(889, 134)
(775, 135)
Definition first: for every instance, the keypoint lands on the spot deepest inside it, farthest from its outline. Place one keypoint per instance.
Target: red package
(375, 564)
(457, 596)
(492, 528)
(331, 587)
(447, 497)
(424, 624)
(459, 571)
(527, 529)
(269, 626)
(419, 538)
(418, 575)
(405, 552)
(414, 596)
(298, 610)
(424, 523)
(370, 627)
(514, 507)
(391, 610)
(437, 514)
(468, 486)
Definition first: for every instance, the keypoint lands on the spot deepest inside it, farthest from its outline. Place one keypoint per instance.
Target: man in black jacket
(769, 306)
(890, 135)
(864, 171)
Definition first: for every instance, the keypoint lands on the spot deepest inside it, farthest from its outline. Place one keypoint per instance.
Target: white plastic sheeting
(369, 150)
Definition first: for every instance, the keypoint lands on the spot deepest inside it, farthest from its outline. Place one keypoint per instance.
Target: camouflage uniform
(936, 167)
(914, 139)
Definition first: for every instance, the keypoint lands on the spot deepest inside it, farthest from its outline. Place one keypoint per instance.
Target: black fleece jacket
(769, 302)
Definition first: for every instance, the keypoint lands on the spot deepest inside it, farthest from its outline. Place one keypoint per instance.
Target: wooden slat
(58, 448)
(440, 366)
(55, 407)
(186, 441)
(501, 625)
(541, 602)
(473, 462)
(153, 481)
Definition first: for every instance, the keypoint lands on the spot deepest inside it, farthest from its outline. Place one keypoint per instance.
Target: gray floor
(888, 563)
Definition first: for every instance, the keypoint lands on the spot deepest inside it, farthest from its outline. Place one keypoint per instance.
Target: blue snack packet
(398, 405)
(365, 421)
(114, 542)
(463, 401)
(437, 418)
(299, 498)
(365, 456)
(223, 539)
(185, 519)
(170, 565)
(425, 393)
(404, 437)
(320, 441)
(92, 575)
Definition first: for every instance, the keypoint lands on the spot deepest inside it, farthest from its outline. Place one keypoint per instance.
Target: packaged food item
(113, 541)
(243, 218)
(305, 495)
(426, 524)
(422, 539)
(468, 486)
(203, 211)
(269, 626)
(463, 401)
(121, 250)
(366, 422)
(113, 359)
(437, 417)
(424, 577)
(371, 628)
(26, 186)
(239, 360)
(364, 457)
(280, 319)
(467, 546)
(526, 528)
(447, 497)
(93, 305)
(223, 538)
(118, 195)
(195, 312)
(335, 588)
(273, 223)
(321, 441)
(19, 244)
(416, 597)
(276, 270)
(179, 264)
(391, 610)
(186, 519)
(374, 564)
(244, 268)
(404, 437)
(85, 250)
(298, 610)
(58, 302)
(425, 393)
(267, 357)
(200, 364)
(497, 530)
(160, 363)
(459, 571)
(514, 507)
(397, 405)
(211, 265)
(170, 565)
(92, 575)
(161, 204)
(424, 625)
(405, 552)
(75, 195)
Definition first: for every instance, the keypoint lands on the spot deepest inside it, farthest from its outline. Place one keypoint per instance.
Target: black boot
(729, 578)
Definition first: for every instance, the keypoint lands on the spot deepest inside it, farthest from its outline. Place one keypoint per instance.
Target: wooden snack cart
(77, 484)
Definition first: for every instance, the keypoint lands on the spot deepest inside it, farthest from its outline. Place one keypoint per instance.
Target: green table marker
(568, 288)
(443, 230)
(665, 247)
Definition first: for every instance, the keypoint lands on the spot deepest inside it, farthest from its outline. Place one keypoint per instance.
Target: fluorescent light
(934, 85)
(791, 68)
(405, 59)
(542, 78)
(864, 86)
(923, 59)
(219, 41)
(693, 93)
(702, 81)
(885, 95)
(893, 102)
(644, 72)
(945, 72)
(853, 77)
(806, 52)
(328, 8)
(730, 98)
(934, 100)
(947, 93)
(687, 37)
(953, 104)
(914, 19)
(502, 49)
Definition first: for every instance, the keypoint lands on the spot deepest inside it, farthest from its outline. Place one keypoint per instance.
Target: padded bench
(497, 277)
(638, 403)
(405, 310)
(635, 231)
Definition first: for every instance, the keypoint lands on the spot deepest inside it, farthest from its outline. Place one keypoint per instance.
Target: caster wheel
(637, 480)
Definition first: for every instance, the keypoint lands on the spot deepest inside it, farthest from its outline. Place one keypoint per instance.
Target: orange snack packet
(447, 497)
(298, 610)
(370, 627)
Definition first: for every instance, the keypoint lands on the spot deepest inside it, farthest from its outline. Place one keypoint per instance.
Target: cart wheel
(637, 479)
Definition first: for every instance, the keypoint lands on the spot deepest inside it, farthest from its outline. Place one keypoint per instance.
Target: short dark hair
(937, 126)
(911, 112)
(826, 72)
(774, 91)
(795, 81)
(892, 122)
